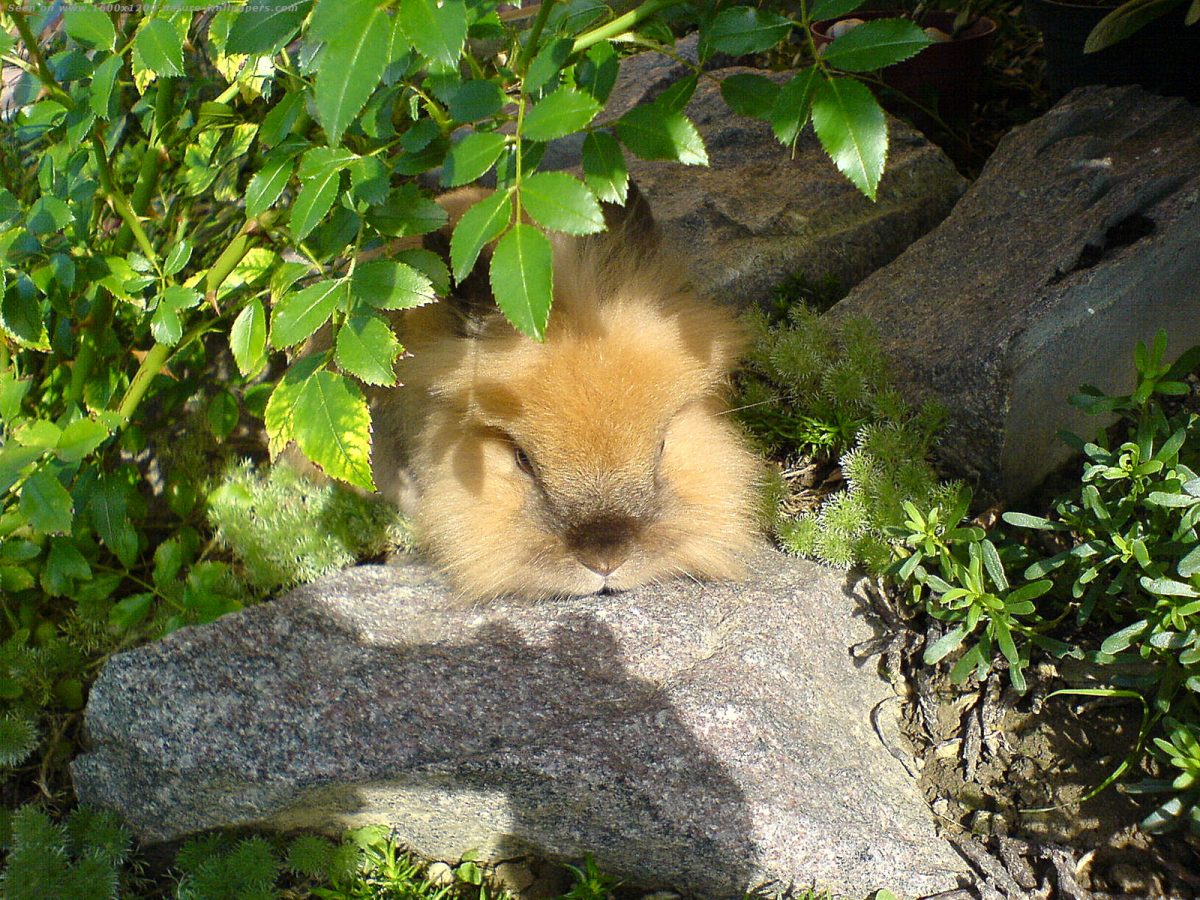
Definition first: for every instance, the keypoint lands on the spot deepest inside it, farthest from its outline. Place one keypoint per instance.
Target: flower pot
(1163, 55)
(943, 74)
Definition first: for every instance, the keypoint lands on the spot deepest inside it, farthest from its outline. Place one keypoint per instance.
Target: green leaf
(46, 505)
(1024, 520)
(332, 425)
(248, 338)
(13, 460)
(1167, 587)
(354, 62)
(90, 26)
(1189, 565)
(559, 202)
(604, 167)
(320, 174)
(130, 612)
(750, 95)
(875, 44)
(436, 30)
(477, 100)
(740, 30)
(1122, 639)
(563, 112)
(267, 185)
(832, 9)
(521, 279)
(178, 257)
(549, 60)
(385, 284)
(651, 133)
(109, 506)
(265, 28)
(471, 157)
(853, 130)
(597, 72)
(407, 213)
(945, 645)
(48, 215)
(995, 568)
(479, 226)
(367, 349)
(222, 414)
(80, 438)
(280, 405)
(278, 123)
(1028, 591)
(165, 325)
(65, 565)
(22, 319)
(1124, 21)
(158, 48)
(300, 313)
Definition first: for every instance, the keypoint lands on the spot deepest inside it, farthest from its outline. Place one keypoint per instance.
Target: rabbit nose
(603, 544)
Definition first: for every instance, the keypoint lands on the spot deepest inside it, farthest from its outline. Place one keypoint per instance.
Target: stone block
(707, 738)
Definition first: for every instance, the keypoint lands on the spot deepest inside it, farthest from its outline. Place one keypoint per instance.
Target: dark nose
(603, 543)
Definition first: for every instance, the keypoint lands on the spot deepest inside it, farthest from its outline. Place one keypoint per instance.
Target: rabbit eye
(523, 462)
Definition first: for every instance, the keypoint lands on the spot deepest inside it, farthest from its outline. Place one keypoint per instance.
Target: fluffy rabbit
(600, 459)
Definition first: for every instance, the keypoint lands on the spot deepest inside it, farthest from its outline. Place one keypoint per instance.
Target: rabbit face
(599, 459)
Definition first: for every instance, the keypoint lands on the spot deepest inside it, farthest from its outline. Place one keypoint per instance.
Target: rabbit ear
(471, 299)
(633, 221)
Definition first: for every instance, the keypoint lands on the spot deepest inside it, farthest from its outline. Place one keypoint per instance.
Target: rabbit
(598, 460)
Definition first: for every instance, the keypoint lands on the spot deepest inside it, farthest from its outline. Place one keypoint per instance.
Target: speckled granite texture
(705, 737)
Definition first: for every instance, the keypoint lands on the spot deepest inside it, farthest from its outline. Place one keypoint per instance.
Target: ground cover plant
(1108, 575)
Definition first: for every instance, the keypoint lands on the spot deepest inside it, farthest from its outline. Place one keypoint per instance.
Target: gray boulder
(1078, 239)
(704, 737)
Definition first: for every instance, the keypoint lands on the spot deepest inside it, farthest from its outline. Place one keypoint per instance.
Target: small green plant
(590, 882)
(956, 572)
(79, 858)
(1180, 750)
(818, 389)
(286, 530)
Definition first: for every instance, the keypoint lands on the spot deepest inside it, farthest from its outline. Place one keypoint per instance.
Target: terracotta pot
(1163, 55)
(945, 73)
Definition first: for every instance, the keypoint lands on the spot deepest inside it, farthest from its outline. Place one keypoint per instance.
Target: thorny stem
(234, 253)
(118, 201)
(621, 24)
(152, 364)
(143, 190)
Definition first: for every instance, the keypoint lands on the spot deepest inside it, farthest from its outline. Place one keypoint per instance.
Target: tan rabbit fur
(602, 458)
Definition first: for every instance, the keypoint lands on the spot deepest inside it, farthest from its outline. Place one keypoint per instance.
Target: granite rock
(1077, 240)
(706, 738)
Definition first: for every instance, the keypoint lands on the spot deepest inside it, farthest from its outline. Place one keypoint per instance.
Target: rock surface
(1077, 240)
(758, 213)
(708, 738)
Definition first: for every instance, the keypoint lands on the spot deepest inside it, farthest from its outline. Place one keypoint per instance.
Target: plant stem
(235, 253)
(35, 53)
(118, 201)
(535, 35)
(85, 359)
(152, 364)
(621, 24)
(143, 190)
